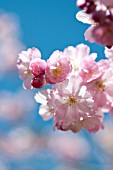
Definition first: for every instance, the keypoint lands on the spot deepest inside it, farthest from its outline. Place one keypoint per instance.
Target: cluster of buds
(99, 13)
(82, 89)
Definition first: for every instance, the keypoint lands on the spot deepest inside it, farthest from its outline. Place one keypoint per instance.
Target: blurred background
(26, 141)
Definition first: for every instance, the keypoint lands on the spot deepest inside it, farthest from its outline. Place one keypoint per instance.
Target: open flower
(71, 100)
(77, 55)
(90, 70)
(102, 89)
(58, 67)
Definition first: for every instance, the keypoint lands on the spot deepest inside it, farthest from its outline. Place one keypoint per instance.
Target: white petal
(40, 98)
(45, 113)
(83, 17)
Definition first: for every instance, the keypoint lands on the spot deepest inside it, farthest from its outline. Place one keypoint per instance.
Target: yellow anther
(57, 71)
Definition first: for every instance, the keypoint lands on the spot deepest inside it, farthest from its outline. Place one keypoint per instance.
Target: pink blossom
(71, 100)
(107, 82)
(91, 123)
(83, 63)
(14, 106)
(10, 41)
(103, 34)
(58, 67)
(101, 31)
(37, 66)
(102, 88)
(105, 135)
(20, 143)
(70, 97)
(58, 144)
(23, 63)
(89, 70)
(77, 55)
(82, 90)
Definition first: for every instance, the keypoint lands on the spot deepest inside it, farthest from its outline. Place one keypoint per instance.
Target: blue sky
(48, 25)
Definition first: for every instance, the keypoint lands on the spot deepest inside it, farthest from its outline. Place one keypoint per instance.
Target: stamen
(100, 85)
(71, 101)
(57, 71)
(27, 71)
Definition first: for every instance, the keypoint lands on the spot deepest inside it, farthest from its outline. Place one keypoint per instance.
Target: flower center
(100, 85)
(71, 100)
(27, 71)
(56, 71)
(89, 74)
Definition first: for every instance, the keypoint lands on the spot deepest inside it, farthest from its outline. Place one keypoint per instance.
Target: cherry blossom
(79, 83)
(103, 34)
(58, 143)
(78, 55)
(106, 136)
(37, 66)
(73, 99)
(58, 67)
(23, 64)
(91, 123)
(10, 42)
(81, 86)
(16, 105)
(101, 13)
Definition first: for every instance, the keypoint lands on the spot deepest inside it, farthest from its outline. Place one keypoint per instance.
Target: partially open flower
(37, 67)
(23, 63)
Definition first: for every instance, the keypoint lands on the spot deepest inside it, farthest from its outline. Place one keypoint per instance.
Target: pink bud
(38, 82)
(37, 67)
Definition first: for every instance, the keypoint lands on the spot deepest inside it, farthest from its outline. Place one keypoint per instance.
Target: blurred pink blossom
(21, 142)
(68, 146)
(108, 3)
(14, 106)
(104, 139)
(10, 42)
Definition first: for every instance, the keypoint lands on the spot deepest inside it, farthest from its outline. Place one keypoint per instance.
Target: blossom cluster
(82, 88)
(98, 13)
